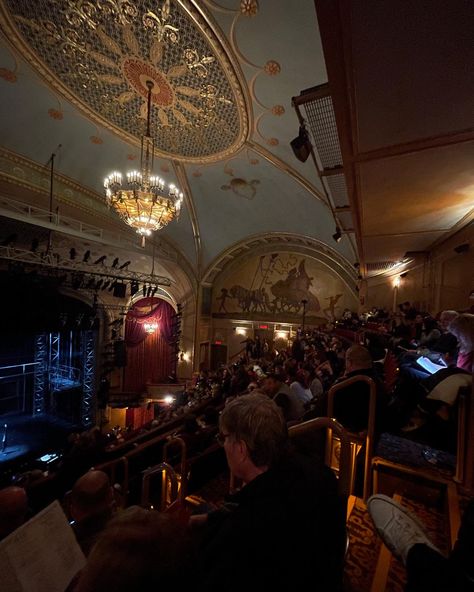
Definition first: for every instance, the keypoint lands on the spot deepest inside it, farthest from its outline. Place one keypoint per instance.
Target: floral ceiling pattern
(100, 53)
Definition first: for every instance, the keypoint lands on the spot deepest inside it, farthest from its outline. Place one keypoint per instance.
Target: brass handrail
(167, 472)
(367, 436)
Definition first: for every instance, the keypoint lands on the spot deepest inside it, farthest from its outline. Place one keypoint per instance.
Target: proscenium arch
(283, 242)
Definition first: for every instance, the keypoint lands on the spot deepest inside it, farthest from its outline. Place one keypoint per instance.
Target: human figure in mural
(331, 306)
(223, 297)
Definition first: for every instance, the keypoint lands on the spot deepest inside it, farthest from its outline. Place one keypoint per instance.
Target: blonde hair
(462, 327)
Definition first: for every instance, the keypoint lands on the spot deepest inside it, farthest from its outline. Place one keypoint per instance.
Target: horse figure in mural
(291, 291)
(251, 300)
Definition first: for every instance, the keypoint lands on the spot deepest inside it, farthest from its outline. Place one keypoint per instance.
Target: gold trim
(214, 37)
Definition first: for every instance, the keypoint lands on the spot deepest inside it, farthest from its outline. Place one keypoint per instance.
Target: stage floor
(30, 437)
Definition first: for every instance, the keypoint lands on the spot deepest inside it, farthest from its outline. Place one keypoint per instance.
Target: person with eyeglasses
(286, 525)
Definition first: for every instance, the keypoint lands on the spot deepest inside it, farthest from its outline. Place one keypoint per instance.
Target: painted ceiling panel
(266, 201)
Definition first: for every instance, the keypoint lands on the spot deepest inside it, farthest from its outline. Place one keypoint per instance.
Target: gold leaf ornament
(176, 71)
(108, 42)
(156, 52)
(130, 40)
(180, 117)
(110, 79)
(187, 91)
(163, 118)
(103, 60)
(125, 97)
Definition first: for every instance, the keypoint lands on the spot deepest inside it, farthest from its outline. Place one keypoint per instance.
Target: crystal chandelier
(143, 201)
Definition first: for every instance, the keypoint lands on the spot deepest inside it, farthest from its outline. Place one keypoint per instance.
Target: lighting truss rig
(50, 262)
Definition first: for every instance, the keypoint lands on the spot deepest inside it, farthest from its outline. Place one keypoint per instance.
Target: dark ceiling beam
(416, 146)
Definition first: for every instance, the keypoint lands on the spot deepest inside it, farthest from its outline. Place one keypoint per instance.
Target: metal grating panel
(322, 123)
(338, 188)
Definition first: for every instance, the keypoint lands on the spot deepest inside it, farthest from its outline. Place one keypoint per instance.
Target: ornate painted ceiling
(73, 79)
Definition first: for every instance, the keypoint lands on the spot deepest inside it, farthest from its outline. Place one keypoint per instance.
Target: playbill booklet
(42, 555)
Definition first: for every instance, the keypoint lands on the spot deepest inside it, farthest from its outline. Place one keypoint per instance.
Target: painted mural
(281, 285)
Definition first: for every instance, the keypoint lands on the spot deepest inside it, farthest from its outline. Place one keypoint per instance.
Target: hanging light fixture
(144, 201)
(150, 327)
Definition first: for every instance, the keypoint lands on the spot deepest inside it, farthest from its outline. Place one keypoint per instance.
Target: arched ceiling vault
(73, 74)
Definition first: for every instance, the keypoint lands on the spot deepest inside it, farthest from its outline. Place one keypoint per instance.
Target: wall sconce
(281, 334)
(397, 282)
(241, 331)
(184, 356)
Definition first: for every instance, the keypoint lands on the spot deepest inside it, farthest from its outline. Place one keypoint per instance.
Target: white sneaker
(398, 529)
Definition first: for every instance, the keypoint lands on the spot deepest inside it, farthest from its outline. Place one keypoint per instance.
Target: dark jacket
(283, 529)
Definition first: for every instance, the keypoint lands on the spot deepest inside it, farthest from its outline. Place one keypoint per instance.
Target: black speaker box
(120, 354)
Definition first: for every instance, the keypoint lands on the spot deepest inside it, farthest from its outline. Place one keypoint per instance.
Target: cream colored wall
(442, 279)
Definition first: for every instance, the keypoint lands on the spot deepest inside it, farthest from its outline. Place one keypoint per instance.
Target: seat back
(367, 437)
(320, 423)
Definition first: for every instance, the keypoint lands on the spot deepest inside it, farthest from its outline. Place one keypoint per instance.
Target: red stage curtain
(150, 358)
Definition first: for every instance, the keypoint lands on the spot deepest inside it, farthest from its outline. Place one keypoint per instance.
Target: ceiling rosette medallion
(100, 54)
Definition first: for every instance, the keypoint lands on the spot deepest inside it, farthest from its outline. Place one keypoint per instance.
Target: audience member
(291, 406)
(462, 327)
(92, 506)
(286, 526)
(351, 404)
(13, 509)
(139, 550)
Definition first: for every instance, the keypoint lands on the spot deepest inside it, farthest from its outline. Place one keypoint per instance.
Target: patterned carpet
(364, 546)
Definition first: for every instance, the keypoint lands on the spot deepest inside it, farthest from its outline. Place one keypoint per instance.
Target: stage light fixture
(72, 253)
(155, 288)
(100, 260)
(134, 287)
(144, 290)
(86, 257)
(337, 236)
(34, 245)
(301, 145)
(125, 265)
(120, 290)
(150, 288)
(115, 262)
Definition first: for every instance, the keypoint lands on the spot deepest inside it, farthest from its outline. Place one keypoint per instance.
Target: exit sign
(217, 342)
(263, 326)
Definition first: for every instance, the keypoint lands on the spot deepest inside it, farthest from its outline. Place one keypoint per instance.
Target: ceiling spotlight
(34, 245)
(100, 260)
(116, 262)
(337, 235)
(125, 265)
(72, 253)
(86, 257)
(301, 145)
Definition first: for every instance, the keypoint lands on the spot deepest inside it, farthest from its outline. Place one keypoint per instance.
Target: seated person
(13, 509)
(139, 550)
(351, 404)
(462, 327)
(286, 526)
(92, 506)
(289, 403)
